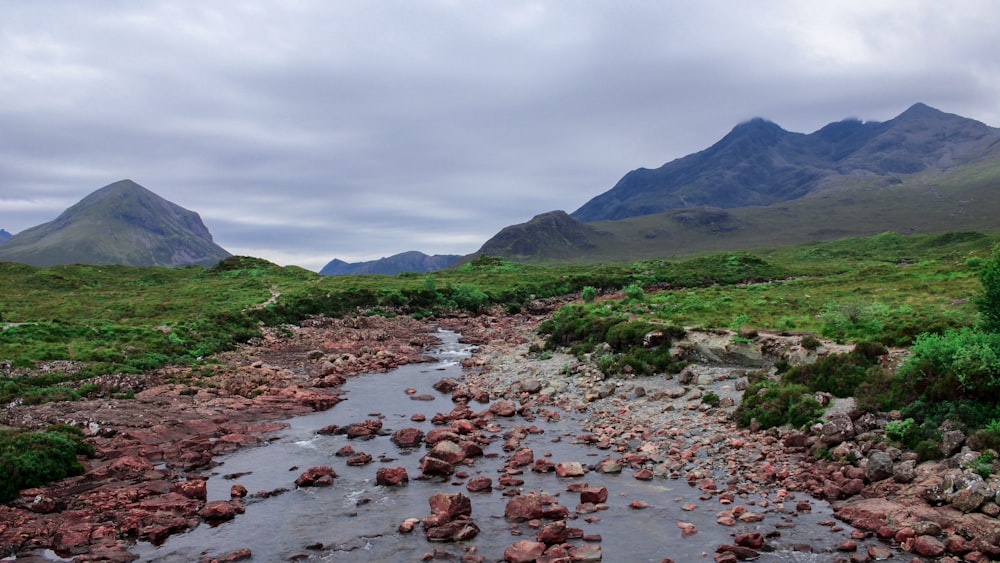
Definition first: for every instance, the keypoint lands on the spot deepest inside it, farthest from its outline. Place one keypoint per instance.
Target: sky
(307, 130)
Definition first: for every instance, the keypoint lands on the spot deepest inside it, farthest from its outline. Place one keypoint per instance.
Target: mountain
(758, 163)
(4, 235)
(550, 235)
(411, 261)
(924, 171)
(122, 223)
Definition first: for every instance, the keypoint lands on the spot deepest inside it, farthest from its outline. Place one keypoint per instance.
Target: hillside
(122, 223)
(758, 163)
(4, 235)
(411, 261)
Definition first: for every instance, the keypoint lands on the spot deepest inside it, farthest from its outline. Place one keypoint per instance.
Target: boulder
(448, 451)
(836, 430)
(313, 475)
(392, 476)
(221, 510)
(524, 507)
(553, 533)
(408, 437)
(951, 442)
(879, 466)
(524, 551)
(570, 469)
(479, 484)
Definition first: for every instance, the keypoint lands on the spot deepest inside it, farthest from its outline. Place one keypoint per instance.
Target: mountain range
(760, 185)
(122, 223)
(412, 261)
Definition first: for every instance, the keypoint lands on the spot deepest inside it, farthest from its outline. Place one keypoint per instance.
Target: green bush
(839, 374)
(968, 357)
(634, 292)
(772, 404)
(988, 301)
(588, 294)
(32, 459)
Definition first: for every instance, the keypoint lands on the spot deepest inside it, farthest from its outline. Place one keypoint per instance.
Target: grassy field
(889, 289)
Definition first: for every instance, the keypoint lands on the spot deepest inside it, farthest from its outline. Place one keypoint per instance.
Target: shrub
(988, 301)
(772, 404)
(839, 374)
(32, 459)
(634, 292)
(810, 342)
(588, 294)
(965, 356)
(712, 399)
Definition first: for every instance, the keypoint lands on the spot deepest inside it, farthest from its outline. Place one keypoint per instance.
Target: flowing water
(355, 520)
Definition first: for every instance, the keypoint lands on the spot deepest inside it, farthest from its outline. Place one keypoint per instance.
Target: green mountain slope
(122, 223)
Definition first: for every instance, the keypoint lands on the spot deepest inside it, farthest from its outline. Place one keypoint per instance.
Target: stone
(836, 430)
(879, 466)
(195, 489)
(503, 408)
(430, 465)
(569, 469)
(455, 530)
(450, 505)
(221, 510)
(408, 437)
(970, 498)
(310, 476)
(951, 442)
(479, 484)
(553, 533)
(524, 507)
(905, 471)
(391, 476)
(524, 551)
(593, 495)
(754, 540)
(448, 451)
(927, 546)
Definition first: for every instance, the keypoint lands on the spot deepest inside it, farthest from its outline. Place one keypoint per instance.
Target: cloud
(314, 130)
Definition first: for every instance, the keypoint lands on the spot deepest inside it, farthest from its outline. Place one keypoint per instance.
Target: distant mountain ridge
(4, 235)
(759, 163)
(121, 223)
(411, 261)
(924, 171)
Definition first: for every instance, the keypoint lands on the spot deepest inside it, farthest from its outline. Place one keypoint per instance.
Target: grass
(888, 289)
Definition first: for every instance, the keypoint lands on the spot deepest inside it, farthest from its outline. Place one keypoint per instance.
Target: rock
(360, 458)
(951, 442)
(524, 507)
(905, 471)
(570, 469)
(445, 385)
(408, 437)
(927, 546)
(609, 465)
(593, 495)
(687, 376)
(195, 489)
(455, 530)
(237, 491)
(448, 451)
(587, 553)
(221, 510)
(753, 540)
(970, 498)
(392, 476)
(532, 385)
(313, 475)
(524, 551)
(503, 408)
(430, 465)
(450, 506)
(553, 533)
(836, 430)
(879, 466)
(479, 484)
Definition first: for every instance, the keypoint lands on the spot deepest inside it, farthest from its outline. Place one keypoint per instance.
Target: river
(355, 520)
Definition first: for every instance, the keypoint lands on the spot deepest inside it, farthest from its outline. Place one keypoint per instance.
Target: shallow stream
(355, 520)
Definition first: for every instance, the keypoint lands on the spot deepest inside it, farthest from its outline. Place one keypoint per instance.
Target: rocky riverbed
(154, 452)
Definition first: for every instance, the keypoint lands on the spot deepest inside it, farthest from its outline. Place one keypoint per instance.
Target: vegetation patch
(34, 458)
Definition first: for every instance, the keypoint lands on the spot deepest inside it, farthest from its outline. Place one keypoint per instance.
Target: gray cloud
(312, 130)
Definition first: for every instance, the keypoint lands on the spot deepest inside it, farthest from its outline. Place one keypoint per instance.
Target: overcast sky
(303, 131)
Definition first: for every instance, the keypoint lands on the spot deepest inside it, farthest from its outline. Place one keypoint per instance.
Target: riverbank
(147, 481)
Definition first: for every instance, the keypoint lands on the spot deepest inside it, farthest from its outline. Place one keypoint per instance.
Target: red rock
(504, 408)
(479, 484)
(195, 489)
(408, 437)
(904, 534)
(644, 474)
(594, 494)
(391, 476)
(232, 557)
(569, 469)
(524, 551)
(360, 458)
(345, 451)
(587, 553)
(221, 510)
(741, 553)
(407, 526)
(438, 434)
(310, 477)
(453, 505)
(754, 540)
(455, 530)
(848, 546)
(553, 533)
(237, 491)
(430, 465)
(687, 528)
(638, 504)
(928, 546)
(521, 458)
(523, 507)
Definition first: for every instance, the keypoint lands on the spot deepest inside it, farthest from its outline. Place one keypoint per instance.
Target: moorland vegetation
(937, 295)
